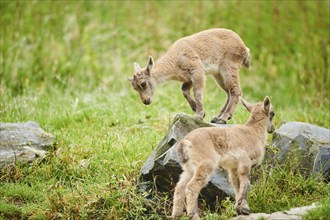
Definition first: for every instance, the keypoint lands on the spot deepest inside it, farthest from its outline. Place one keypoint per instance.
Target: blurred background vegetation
(65, 65)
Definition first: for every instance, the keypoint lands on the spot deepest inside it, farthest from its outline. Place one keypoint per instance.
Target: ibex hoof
(176, 216)
(200, 115)
(193, 216)
(243, 211)
(218, 121)
(242, 207)
(214, 120)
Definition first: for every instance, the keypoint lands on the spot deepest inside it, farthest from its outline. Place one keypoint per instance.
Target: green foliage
(279, 188)
(65, 65)
(322, 212)
(9, 211)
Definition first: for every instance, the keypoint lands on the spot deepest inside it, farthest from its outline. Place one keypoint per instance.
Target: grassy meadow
(65, 64)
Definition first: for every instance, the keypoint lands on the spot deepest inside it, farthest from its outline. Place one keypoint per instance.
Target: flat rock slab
(294, 214)
(23, 142)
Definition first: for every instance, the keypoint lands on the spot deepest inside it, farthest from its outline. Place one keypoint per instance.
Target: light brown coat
(219, 52)
(235, 148)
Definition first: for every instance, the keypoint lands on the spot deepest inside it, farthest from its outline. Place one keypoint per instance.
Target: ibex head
(261, 110)
(142, 81)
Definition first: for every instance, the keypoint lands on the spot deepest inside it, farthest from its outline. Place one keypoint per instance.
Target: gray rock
(295, 213)
(304, 144)
(23, 142)
(162, 169)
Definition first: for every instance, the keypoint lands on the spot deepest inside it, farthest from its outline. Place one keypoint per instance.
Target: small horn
(246, 104)
(136, 67)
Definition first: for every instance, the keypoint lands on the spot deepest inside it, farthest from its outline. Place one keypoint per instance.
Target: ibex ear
(247, 105)
(136, 67)
(150, 64)
(266, 104)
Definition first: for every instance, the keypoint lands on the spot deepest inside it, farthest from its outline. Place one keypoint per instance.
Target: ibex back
(219, 52)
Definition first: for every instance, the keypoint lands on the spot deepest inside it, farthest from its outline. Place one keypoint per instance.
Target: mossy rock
(304, 146)
(23, 142)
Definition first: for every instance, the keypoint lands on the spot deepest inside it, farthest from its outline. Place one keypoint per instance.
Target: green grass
(321, 212)
(277, 187)
(65, 65)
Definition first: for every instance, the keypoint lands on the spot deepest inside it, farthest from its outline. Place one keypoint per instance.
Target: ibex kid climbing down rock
(219, 52)
(234, 148)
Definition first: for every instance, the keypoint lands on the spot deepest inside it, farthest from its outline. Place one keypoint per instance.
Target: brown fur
(219, 52)
(235, 148)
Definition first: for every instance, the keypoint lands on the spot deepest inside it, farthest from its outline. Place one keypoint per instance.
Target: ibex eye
(143, 85)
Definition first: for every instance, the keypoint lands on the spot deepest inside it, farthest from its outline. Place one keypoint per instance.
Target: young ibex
(220, 52)
(235, 148)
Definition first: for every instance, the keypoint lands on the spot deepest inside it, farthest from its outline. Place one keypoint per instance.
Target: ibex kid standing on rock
(234, 148)
(220, 52)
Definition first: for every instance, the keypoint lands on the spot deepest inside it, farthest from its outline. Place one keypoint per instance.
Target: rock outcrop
(23, 142)
(308, 146)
